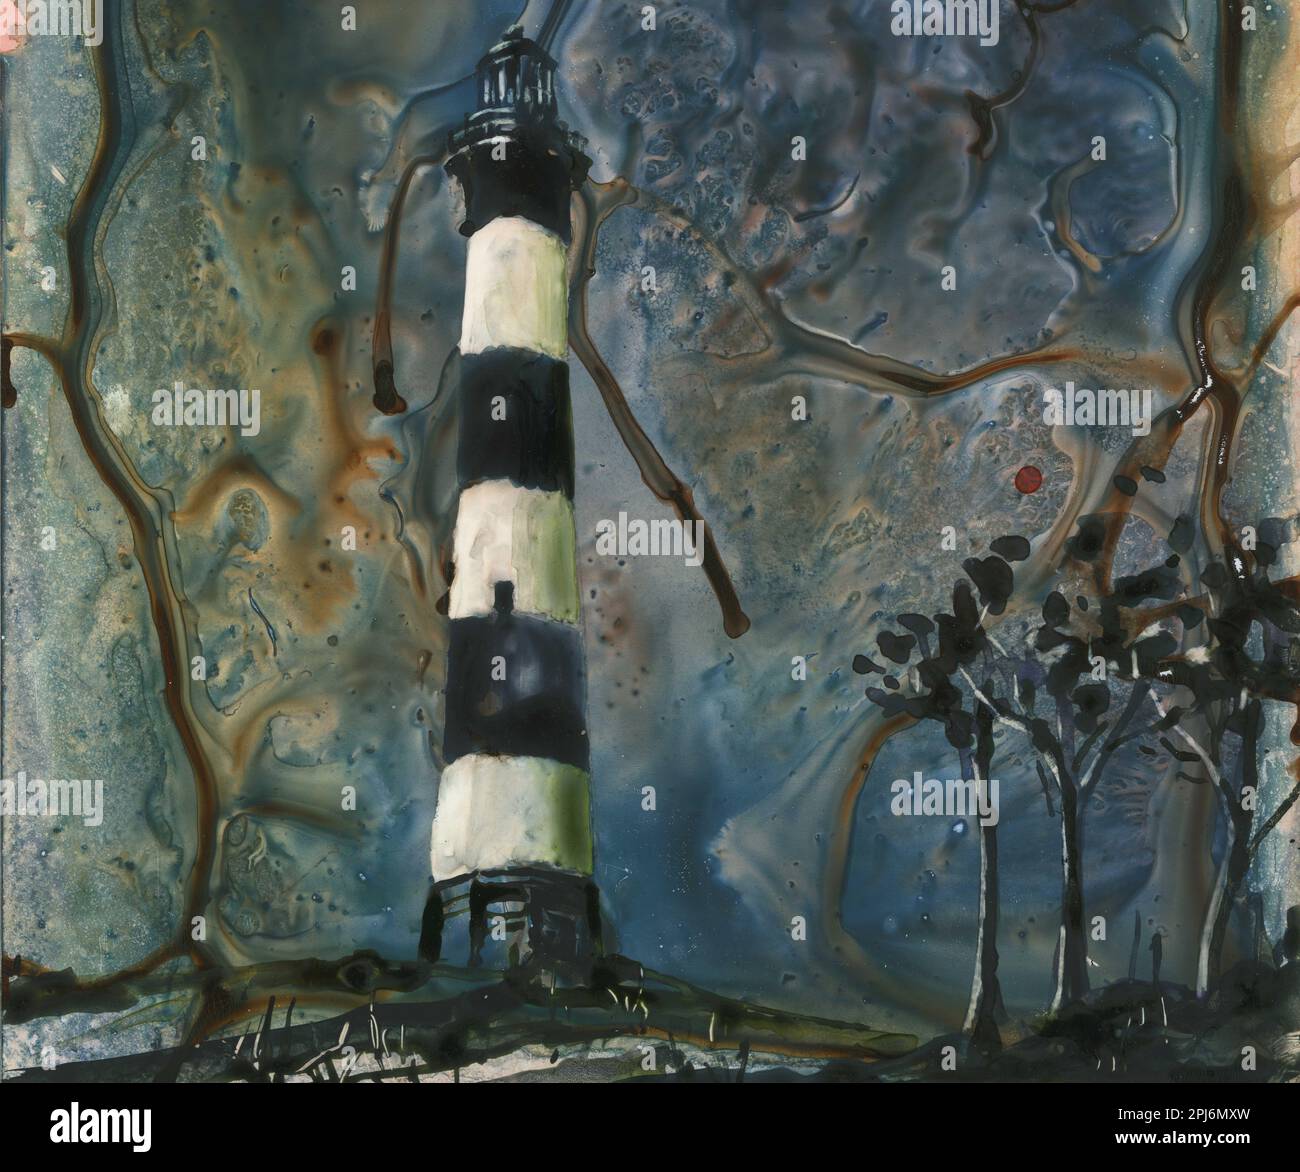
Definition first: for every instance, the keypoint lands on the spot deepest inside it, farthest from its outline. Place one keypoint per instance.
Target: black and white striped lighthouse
(511, 850)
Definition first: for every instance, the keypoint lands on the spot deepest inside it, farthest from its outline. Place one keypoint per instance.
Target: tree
(943, 684)
(968, 725)
(1166, 662)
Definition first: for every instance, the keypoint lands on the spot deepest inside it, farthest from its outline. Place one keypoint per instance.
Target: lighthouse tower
(511, 849)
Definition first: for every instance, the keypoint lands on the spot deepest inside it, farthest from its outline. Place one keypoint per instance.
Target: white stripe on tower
(499, 812)
(523, 536)
(516, 293)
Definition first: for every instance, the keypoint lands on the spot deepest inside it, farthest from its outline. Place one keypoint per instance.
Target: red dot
(1029, 479)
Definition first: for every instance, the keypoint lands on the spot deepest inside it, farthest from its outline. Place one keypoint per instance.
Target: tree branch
(1277, 816)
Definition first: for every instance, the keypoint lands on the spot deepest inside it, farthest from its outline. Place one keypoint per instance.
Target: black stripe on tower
(532, 180)
(537, 710)
(527, 436)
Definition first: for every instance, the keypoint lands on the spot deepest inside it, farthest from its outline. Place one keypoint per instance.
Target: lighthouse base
(520, 921)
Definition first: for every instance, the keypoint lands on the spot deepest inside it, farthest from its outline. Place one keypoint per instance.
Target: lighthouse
(511, 849)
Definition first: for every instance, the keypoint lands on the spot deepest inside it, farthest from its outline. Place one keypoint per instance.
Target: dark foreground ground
(441, 1024)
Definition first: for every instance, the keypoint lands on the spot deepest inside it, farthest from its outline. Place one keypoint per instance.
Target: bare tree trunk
(985, 993)
(1236, 864)
(1072, 948)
